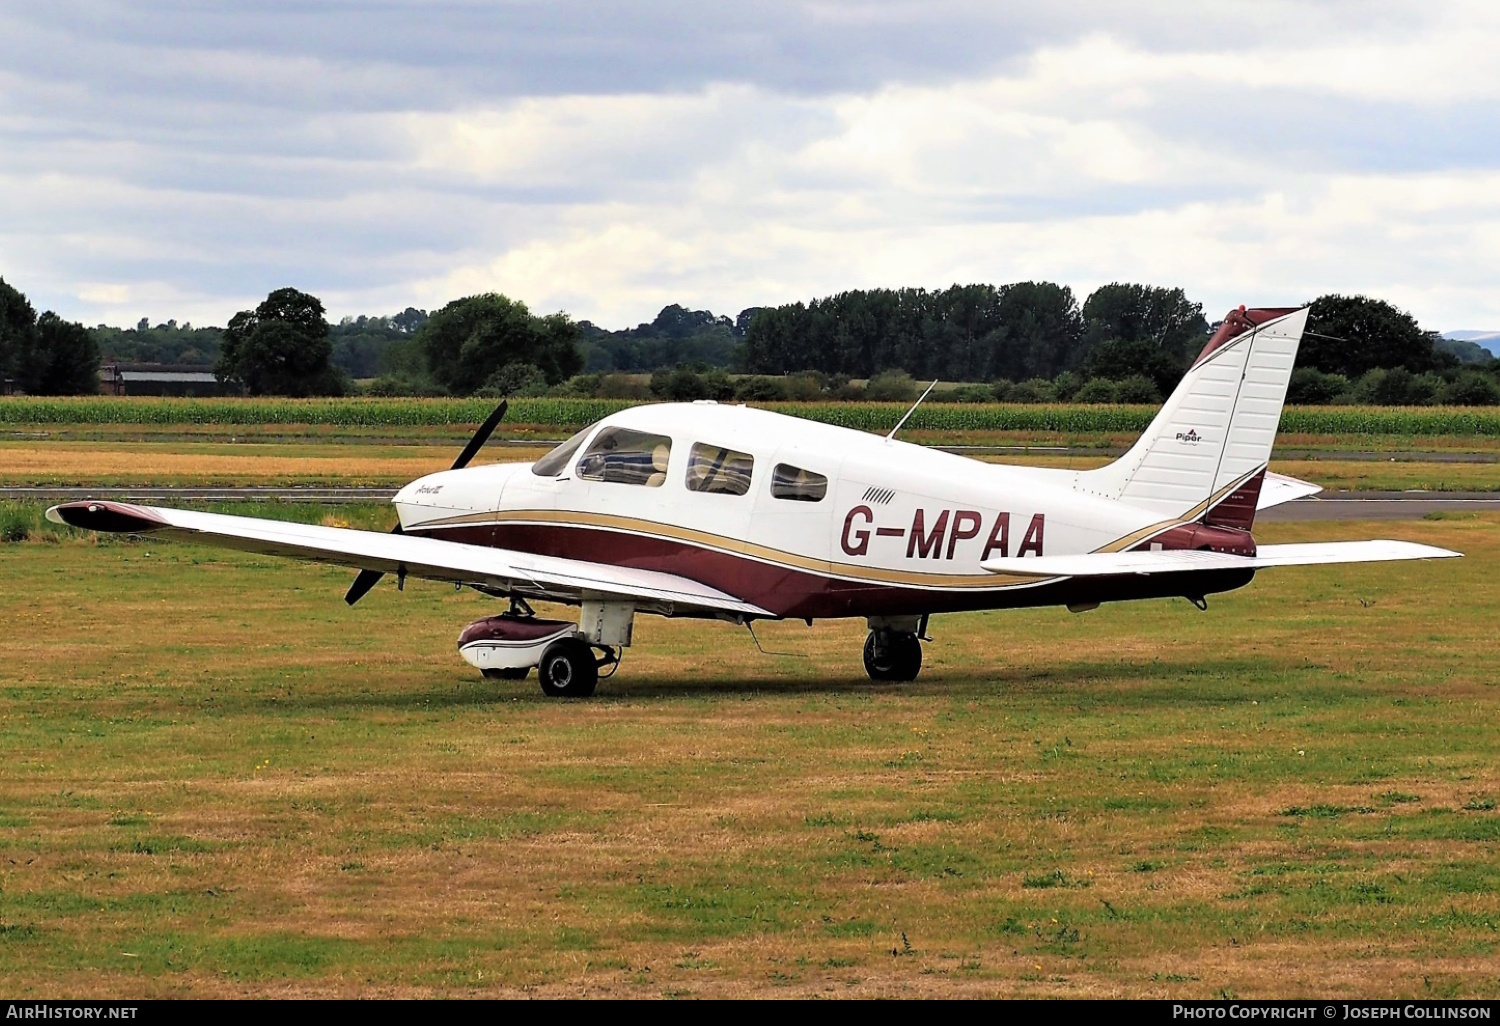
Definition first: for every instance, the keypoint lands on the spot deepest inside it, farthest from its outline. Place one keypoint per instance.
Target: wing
(546, 577)
(1278, 488)
(1101, 564)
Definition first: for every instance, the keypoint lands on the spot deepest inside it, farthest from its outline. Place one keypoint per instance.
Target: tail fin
(1205, 454)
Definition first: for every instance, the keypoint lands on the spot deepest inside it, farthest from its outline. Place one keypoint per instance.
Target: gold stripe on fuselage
(734, 546)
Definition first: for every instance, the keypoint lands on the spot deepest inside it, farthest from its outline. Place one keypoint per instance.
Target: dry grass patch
(176, 464)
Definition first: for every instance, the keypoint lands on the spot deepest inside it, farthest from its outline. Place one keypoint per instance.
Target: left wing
(546, 577)
(1103, 564)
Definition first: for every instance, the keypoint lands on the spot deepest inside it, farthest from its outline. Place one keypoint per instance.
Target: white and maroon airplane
(737, 514)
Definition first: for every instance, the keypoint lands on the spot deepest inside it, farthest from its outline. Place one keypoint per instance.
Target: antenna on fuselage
(912, 410)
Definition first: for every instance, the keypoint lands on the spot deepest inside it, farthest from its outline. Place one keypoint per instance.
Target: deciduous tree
(66, 359)
(470, 339)
(1350, 335)
(280, 348)
(17, 334)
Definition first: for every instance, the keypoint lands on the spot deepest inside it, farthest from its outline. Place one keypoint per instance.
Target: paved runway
(1381, 506)
(1328, 506)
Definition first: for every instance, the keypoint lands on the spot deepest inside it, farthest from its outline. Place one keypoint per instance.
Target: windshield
(556, 461)
(623, 456)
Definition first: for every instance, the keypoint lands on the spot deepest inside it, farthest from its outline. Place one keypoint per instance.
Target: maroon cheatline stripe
(1237, 509)
(1237, 322)
(799, 594)
(512, 628)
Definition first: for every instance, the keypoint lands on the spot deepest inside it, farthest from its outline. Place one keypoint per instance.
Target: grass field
(307, 462)
(220, 780)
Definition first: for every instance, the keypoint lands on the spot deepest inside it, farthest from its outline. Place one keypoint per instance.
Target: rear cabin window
(789, 482)
(556, 461)
(623, 456)
(713, 468)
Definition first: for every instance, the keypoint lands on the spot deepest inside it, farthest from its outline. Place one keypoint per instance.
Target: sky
(179, 160)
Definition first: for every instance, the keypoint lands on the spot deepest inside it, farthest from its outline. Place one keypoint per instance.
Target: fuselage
(804, 519)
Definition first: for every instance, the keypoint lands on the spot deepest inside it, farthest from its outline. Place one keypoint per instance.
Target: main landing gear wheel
(893, 655)
(568, 669)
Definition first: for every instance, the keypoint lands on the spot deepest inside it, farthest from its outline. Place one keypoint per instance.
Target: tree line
(44, 355)
(1132, 343)
(1024, 342)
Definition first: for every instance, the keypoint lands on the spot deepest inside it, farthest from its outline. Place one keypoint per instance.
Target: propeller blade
(481, 436)
(366, 579)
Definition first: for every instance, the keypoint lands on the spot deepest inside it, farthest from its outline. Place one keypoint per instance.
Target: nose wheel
(893, 655)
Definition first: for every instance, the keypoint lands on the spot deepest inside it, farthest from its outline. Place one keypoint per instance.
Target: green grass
(221, 780)
(27, 521)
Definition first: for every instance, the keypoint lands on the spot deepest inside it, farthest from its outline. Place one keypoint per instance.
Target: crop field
(219, 780)
(575, 413)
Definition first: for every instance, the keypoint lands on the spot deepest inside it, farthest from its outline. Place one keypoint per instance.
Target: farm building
(161, 379)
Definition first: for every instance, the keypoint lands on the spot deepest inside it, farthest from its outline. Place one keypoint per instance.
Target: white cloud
(1265, 159)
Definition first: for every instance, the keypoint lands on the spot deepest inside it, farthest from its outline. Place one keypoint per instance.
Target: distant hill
(1489, 340)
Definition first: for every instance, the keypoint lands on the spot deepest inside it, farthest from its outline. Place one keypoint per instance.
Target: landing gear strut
(893, 655)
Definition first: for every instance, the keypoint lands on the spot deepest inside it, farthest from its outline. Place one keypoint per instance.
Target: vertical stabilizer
(1211, 441)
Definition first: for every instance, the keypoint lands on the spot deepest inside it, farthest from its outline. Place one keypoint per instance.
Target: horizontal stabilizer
(1104, 564)
(1279, 488)
(566, 580)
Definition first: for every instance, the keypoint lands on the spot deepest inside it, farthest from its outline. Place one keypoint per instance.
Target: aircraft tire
(568, 670)
(507, 673)
(899, 658)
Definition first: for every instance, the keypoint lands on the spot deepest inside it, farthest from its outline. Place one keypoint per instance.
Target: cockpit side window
(556, 461)
(623, 456)
(713, 468)
(796, 484)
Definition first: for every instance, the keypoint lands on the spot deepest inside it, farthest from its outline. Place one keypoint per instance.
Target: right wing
(544, 577)
(1171, 561)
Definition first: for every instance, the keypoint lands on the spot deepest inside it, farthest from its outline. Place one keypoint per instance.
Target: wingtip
(1417, 550)
(107, 516)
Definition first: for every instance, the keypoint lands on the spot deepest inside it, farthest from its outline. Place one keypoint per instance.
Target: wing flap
(429, 558)
(1103, 564)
